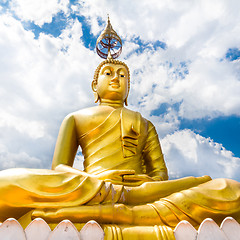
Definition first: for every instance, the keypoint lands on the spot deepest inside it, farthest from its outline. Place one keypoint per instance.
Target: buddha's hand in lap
(127, 177)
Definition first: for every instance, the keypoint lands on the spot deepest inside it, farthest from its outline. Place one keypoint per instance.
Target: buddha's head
(111, 81)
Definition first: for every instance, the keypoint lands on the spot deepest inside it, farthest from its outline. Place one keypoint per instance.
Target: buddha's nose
(115, 78)
(115, 81)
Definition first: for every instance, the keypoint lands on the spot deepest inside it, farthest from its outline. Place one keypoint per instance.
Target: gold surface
(124, 180)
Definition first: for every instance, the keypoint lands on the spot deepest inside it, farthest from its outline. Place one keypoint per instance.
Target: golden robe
(124, 140)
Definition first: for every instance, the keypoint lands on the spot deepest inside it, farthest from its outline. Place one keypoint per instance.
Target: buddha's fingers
(118, 213)
(114, 175)
(137, 177)
(153, 191)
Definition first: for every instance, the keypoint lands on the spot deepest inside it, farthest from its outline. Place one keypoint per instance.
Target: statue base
(38, 229)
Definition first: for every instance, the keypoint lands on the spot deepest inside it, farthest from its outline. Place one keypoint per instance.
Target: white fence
(209, 230)
(65, 230)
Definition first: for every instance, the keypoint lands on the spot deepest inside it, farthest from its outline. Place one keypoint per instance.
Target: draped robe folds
(124, 140)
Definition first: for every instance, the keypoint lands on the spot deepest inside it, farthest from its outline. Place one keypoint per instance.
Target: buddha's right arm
(66, 148)
(66, 145)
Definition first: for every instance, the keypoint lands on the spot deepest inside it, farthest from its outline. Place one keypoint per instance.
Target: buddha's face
(112, 82)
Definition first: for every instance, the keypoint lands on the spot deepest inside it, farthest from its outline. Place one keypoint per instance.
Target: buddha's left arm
(153, 157)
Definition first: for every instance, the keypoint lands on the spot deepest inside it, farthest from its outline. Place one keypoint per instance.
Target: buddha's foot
(118, 213)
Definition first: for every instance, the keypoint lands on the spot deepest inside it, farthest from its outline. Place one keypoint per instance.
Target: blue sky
(184, 59)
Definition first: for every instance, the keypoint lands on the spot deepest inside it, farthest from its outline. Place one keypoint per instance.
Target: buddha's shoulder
(92, 112)
(134, 114)
(95, 115)
(89, 116)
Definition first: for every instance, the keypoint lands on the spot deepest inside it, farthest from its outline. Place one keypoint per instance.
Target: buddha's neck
(111, 103)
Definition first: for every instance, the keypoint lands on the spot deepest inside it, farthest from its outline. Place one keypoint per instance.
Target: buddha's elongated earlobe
(94, 88)
(96, 97)
(126, 101)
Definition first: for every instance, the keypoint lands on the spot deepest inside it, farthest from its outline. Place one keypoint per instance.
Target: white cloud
(212, 92)
(187, 153)
(39, 12)
(35, 129)
(42, 80)
(12, 160)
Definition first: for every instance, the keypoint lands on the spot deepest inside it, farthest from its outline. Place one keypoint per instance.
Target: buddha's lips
(114, 84)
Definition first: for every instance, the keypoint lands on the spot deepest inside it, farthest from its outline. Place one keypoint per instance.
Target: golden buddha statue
(125, 178)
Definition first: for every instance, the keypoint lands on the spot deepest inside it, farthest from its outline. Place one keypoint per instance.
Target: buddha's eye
(122, 75)
(107, 73)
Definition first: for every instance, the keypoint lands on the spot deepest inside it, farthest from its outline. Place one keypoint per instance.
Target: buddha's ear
(96, 97)
(126, 103)
(94, 88)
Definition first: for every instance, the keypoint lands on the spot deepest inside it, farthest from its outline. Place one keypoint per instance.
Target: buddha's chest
(91, 122)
